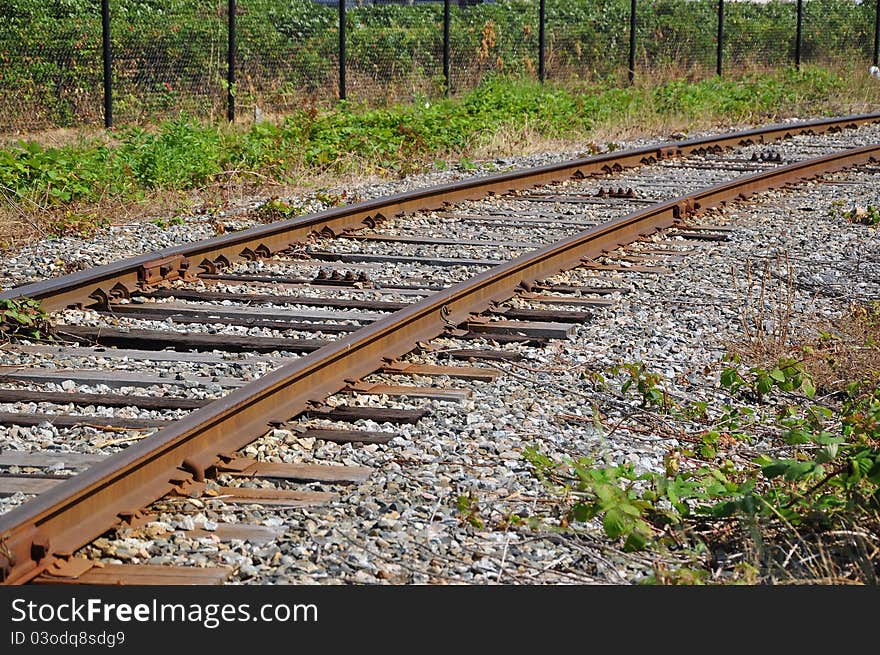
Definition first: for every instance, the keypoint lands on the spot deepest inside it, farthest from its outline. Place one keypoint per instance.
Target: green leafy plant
(869, 215)
(330, 199)
(79, 225)
(23, 318)
(787, 375)
(648, 384)
(826, 484)
(164, 223)
(276, 209)
(469, 510)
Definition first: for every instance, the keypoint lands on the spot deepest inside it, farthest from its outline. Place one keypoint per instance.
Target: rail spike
(101, 298)
(683, 208)
(120, 291)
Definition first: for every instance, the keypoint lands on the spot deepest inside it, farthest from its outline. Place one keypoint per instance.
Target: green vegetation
(75, 224)
(23, 318)
(869, 215)
(469, 511)
(165, 223)
(170, 53)
(789, 461)
(184, 154)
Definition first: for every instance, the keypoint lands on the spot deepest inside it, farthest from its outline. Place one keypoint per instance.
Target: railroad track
(176, 363)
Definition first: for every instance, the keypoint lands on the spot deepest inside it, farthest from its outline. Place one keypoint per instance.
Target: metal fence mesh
(587, 41)
(50, 66)
(836, 32)
(759, 36)
(287, 55)
(676, 38)
(168, 57)
(394, 52)
(171, 55)
(493, 39)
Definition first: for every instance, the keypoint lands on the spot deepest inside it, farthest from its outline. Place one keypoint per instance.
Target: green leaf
(807, 388)
(635, 541)
(582, 512)
(826, 453)
(798, 436)
(614, 523)
(729, 377)
(778, 467)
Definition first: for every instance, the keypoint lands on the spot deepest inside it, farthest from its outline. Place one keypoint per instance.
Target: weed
(23, 318)
(331, 199)
(818, 492)
(469, 509)
(869, 215)
(276, 209)
(79, 225)
(647, 383)
(165, 223)
(764, 296)
(185, 155)
(787, 375)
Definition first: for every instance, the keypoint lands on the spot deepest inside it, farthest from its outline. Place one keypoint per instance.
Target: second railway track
(172, 363)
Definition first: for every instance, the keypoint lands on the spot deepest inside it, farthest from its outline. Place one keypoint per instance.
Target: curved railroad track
(311, 307)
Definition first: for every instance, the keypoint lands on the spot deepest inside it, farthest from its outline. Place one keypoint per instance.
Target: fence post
(230, 65)
(342, 49)
(877, 33)
(541, 43)
(632, 41)
(108, 63)
(446, 45)
(798, 35)
(720, 56)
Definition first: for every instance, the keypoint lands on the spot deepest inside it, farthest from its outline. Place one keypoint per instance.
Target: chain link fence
(50, 66)
(168, 56)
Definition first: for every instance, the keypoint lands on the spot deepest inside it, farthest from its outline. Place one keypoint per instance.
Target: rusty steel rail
(52, 526)
(100, 284)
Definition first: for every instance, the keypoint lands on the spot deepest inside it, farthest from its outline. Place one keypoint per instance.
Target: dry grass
(834, 354)
(847, 350)
(60, 136)
(764, 294)
(24, 221)
(521, 140)
(776, 552)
